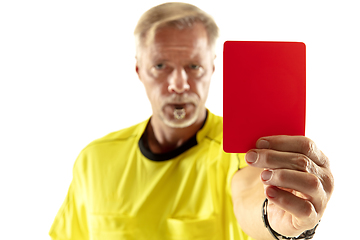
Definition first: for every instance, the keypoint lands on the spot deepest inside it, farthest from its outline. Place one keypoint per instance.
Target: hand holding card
(264, 92)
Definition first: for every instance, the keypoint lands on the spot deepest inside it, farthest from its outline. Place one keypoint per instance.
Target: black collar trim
(145, 150)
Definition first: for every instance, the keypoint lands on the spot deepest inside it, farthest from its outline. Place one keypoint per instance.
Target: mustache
(180, 99)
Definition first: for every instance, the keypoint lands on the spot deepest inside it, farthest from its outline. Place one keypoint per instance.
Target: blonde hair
(176, 14)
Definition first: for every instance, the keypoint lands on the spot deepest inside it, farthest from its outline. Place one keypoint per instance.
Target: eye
(194, 66)
(159, 66)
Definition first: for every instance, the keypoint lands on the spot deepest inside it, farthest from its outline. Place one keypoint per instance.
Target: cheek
(153, 73)
(205, 90)
(155, 90)
(202, 87)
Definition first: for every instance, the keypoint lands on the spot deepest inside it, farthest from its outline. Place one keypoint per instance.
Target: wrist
(308, 234)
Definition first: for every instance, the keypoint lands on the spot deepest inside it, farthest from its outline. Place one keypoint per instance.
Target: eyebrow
(159, 60)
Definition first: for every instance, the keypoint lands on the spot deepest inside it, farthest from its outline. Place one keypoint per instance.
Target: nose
(178, 81)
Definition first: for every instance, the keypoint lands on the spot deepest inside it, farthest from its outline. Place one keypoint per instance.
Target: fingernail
(266, 175)
(263, 144)
(271, 192)
(251, 157)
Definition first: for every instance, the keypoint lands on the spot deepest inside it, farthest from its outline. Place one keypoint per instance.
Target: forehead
(191, 42)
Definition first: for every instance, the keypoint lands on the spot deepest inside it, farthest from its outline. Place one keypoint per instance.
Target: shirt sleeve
(71, 220)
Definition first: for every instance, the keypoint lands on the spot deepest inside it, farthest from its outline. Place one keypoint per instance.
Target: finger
(296, 144)
(267, 158)
(308, 185)
(273, 159)
(303, 210)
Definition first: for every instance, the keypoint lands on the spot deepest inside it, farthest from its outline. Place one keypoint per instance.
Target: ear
(214, 64)
(137, 68)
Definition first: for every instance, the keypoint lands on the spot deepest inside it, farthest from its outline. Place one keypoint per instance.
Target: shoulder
(118, 138)
(108, 149)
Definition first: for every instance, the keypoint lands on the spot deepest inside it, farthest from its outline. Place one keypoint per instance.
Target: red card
(264, 92)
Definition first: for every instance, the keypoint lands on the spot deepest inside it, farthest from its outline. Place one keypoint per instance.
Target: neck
(162, 138)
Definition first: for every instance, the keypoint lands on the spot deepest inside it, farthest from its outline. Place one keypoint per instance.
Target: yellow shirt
(120, 190)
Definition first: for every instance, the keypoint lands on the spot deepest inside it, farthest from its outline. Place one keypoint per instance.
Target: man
(168, 177)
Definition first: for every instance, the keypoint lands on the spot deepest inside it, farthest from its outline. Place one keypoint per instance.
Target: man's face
(176, 69)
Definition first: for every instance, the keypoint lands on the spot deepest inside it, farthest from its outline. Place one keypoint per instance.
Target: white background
(67, 72)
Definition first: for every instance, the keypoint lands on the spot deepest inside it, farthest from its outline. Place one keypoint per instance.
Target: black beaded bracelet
(309, 234)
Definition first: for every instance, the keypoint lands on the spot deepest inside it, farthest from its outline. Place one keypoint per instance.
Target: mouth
(179, 110)
(179, 106)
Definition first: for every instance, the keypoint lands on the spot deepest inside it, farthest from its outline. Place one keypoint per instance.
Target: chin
(183, 123)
